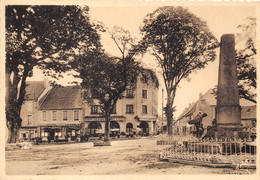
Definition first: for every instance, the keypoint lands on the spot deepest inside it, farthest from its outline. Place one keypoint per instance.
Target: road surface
(135, 156)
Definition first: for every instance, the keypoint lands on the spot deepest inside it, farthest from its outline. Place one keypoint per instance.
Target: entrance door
(129, 127)
(145, 128)
(52, 134)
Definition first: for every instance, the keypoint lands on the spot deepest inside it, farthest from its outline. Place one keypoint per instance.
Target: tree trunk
(13, 135)
(169, 116)
(13, 119)
(107, 120)
(169, 111)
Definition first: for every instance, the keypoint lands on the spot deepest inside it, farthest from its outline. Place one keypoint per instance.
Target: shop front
(95, 126)
(147, 125)
(28, 133)
(64, 132)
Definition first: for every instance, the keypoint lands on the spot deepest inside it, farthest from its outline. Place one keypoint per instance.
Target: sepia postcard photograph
(129, 89)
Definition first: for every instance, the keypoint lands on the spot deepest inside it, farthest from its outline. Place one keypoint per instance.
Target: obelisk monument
(228, 111)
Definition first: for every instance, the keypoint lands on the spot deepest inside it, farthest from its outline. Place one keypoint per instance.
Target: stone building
(207, 104)
(138, 109)
(36, 92)
(58, 113)
(61, 114)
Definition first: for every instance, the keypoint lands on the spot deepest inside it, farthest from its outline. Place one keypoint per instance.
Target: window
(129, 93)
(114, 110)
(76, 115)
(129, 109)
(54, 115)
(94, 109)
(65, 115)
(144, 94)
(184, 129)
(44, 115)
(29, 119)
(144, 109)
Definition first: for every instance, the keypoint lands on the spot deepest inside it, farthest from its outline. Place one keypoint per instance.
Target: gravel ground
(136, 156)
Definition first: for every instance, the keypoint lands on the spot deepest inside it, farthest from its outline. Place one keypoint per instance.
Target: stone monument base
(223, 132)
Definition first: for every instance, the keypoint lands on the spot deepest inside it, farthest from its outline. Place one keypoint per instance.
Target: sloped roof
(34, 89)
(210, 98)
(188, 111)
(68, 97)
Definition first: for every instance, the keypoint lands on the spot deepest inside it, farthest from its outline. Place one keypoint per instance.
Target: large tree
(245, 58)
(106, 78)
(45, 37)
(181, 43)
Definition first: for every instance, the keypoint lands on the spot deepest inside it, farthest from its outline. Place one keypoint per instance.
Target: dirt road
(137, 156)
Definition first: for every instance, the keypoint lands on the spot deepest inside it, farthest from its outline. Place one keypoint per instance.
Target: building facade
(137, 110)
(60, 113)
(36, 92)
(207, 105)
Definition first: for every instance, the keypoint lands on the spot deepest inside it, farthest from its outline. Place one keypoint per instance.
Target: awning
(146, 118)
(59, 125)
(102, 119)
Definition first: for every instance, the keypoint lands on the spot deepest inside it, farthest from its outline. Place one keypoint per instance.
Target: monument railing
(226, 146)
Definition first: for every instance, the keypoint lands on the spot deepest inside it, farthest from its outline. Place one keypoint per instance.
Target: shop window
(45, 134)
(129, 109)
(144, 94)
(65, 115)
(76, 115)
(129, 93)
(29, 119)
(73, 133)
(54, 115)
(44, 115)
(58, 134)
(144, 107)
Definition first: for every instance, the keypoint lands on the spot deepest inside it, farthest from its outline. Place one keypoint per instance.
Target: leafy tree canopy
(106, 78)
(47, 37)
(181, 43)
(245, 58)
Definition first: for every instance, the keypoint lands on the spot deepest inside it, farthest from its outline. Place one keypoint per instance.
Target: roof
(67, 97)
(188, 111)
(210, 98)
(34, 89)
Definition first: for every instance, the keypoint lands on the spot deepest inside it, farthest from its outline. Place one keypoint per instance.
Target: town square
(130, 89)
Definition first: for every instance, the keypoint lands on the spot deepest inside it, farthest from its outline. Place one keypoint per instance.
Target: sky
(220, 19)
